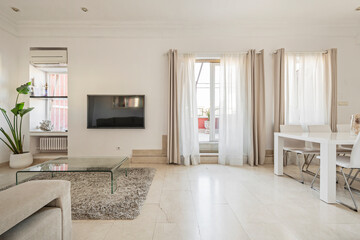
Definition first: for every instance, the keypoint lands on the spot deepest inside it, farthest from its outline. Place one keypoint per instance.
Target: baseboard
(150, 159)
(269, 156)
(3, 164)
(151, 155)
(159, 155)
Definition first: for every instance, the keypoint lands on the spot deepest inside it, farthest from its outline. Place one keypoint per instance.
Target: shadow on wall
(4, 86)
(4, 103)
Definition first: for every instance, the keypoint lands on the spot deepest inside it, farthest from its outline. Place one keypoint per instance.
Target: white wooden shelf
(43, 133)
(48, 156)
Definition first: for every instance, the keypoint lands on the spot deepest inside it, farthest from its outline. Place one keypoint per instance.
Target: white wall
(8, 81)
(138, 65)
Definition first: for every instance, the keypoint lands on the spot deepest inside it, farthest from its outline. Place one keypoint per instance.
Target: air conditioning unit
(48, 56)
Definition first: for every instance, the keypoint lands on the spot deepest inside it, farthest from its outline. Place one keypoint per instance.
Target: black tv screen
(116, 111)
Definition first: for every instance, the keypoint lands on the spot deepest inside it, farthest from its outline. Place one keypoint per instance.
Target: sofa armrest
(21, 201)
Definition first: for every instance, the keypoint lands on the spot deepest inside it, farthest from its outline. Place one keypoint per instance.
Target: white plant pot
(207, 126)
(20, 160)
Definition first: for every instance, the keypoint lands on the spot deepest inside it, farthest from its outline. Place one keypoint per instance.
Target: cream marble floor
(221, 202)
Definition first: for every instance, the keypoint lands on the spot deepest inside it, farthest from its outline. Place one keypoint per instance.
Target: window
(57, 110)
(49, 97)
(208, 99)
(306, 91)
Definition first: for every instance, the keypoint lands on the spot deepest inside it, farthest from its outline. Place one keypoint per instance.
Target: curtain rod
(212, 54)
(325, 51)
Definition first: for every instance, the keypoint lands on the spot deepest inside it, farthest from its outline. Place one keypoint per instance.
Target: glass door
(208, 99)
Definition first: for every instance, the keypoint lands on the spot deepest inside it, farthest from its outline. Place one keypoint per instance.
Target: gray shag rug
(91, 196)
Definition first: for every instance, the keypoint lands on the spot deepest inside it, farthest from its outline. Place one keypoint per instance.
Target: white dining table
(328, 143)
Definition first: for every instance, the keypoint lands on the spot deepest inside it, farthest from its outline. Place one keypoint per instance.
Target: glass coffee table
(112, 165)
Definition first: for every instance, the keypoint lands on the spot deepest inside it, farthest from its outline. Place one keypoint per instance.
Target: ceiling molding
(166, 30)
(288, 18)
(170, 30)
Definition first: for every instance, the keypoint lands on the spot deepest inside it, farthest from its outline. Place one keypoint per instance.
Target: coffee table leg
(115, 173)
(114, 176)
(112, 183)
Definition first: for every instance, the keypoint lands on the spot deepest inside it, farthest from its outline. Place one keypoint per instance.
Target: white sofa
(36, 210)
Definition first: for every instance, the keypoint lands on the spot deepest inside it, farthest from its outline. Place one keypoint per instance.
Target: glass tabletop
(74, 164)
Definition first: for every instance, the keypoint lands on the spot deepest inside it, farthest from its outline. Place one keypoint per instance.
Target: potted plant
(14, 140)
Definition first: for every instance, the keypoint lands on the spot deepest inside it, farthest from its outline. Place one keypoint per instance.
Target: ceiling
(184, 11)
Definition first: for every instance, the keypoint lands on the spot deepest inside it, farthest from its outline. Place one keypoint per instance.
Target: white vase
(20, 160)
(355, 124)
(207, 126)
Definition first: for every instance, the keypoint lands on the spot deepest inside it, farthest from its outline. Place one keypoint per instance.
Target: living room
(121, 49)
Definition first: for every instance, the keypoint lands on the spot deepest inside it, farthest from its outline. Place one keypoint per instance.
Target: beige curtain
(279, 89)
(173, 153)
(257, 105)
(331, 76)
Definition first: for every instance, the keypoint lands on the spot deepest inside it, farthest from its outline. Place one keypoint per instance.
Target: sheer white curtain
(188, 119)
(234, 137)
(306, 89)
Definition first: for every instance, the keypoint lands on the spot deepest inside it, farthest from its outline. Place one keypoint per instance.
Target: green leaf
(25, 111)
(16, 110)
(24, 89)
(7, 120)
(13, 132)
(13, 145)
(8, 145)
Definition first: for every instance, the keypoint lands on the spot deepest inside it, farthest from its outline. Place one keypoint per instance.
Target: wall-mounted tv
(116, 111)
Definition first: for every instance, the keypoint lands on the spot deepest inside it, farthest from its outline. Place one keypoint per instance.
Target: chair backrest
(291, 128)
(319, 128)
(343, 127)
(355, 154)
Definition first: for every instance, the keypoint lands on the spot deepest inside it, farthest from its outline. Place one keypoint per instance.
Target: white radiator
(53, 144)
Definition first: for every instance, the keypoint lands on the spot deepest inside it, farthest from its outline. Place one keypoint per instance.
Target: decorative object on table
(46, 125)
(200, 112)
(14, 139)
(207, 123)
(32, 86)
(124, 204)
(46, 89)
(355, 124)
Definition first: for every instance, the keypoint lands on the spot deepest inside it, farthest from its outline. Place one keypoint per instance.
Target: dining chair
(348, 162)
(321, 129)
(291, 144)
(344, 128)
(314, 146)
(294, 146)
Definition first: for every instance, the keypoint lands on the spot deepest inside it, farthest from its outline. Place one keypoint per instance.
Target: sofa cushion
(19, 202)
(44, 224)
